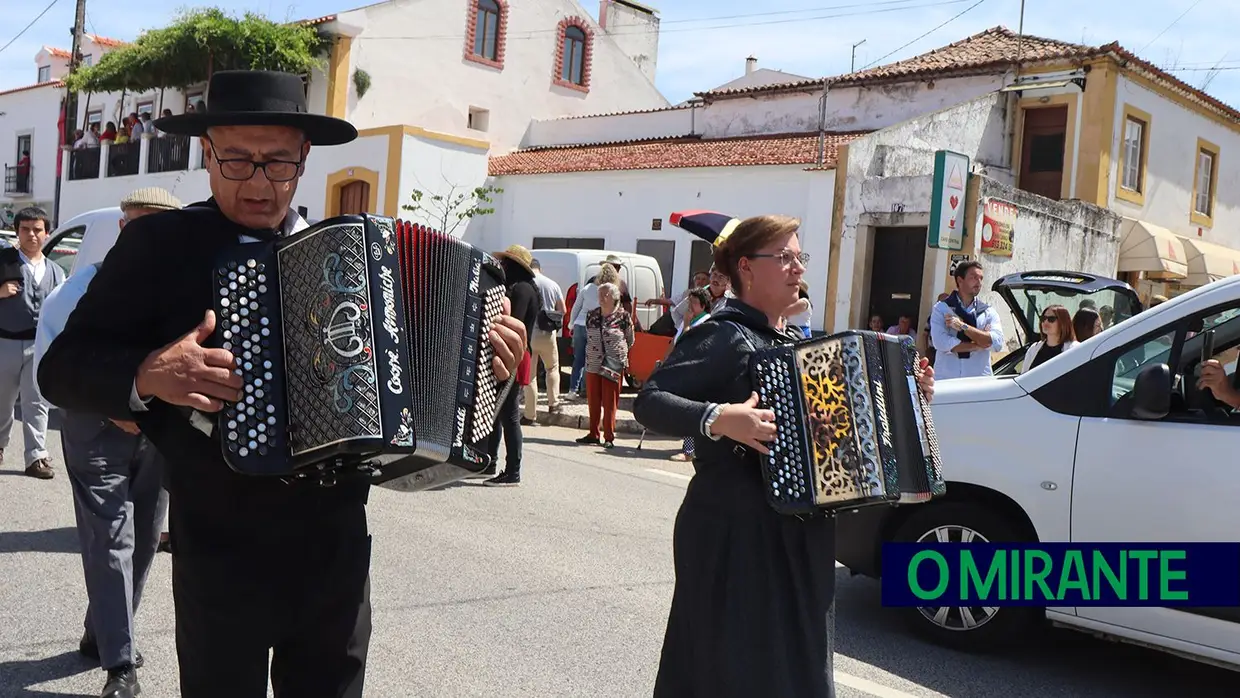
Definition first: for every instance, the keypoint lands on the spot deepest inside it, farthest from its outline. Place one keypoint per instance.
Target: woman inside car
(1057, 337)
(752, 610)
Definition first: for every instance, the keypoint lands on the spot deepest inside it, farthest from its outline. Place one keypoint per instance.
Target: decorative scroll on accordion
(853, 428)
(363, 344)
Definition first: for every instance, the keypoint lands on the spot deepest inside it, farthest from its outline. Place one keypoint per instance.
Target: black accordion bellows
(853, 427)
(363, 344)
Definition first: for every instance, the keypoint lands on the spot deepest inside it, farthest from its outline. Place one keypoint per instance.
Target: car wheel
(972, 629)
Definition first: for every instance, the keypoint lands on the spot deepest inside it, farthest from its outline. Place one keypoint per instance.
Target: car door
(1169, 480)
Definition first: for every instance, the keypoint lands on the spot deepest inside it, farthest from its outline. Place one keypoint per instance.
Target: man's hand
(1214, 378)
(508, 338)
(9, 289)
(127, 427)
(955, 324)
(925, 379)
(188, 374)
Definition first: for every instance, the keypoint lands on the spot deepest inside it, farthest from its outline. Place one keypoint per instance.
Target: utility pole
(852, 66)
(71, 102)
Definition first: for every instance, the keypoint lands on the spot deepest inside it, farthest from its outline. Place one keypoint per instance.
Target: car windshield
(1108, 301)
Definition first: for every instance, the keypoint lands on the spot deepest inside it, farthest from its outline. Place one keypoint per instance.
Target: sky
(704, 43)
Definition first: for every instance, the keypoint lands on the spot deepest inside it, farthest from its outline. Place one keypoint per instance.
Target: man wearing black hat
(258, 564)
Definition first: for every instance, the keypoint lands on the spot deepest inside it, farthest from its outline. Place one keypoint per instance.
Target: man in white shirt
(27, 278)
(116, 476)
(964, 329)
(544, 346)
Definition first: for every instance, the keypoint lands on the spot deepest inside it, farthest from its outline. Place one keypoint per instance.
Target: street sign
(951, 177)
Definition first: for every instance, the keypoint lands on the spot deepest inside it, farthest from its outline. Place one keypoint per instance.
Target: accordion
(363, 344)
(852, 427)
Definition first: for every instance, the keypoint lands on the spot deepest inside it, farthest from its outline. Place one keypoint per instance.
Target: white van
(67, 244)
(572, 268)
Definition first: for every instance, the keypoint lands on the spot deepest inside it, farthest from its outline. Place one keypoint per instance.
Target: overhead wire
(944, 24)
(28, 26)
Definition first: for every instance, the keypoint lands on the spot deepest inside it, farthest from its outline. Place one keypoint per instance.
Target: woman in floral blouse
(609, 335)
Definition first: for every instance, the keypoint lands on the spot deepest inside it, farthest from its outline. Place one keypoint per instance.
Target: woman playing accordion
(752, 612)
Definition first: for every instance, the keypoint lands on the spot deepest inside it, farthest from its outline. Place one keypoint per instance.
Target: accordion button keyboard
(251, 422)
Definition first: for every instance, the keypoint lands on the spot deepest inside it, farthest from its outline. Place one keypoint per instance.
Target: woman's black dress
(752, 611)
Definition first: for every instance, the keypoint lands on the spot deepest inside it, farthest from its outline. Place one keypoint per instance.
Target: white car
(1109, 442)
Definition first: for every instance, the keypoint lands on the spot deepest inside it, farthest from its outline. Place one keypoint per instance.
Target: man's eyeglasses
(242, 169)
(786, 257)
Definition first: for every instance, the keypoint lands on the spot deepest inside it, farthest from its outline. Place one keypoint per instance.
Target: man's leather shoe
(122, 683)
(90, 649)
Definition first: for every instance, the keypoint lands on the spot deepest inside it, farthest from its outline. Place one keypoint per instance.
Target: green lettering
(1166, 574)
(970, 576)
(1073, 565)
(1143, 571)
(1014, 586)
(916, 587)
(1102, 568)
(1039, 577)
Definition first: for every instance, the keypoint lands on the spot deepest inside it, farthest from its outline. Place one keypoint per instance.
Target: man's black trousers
(303, 596)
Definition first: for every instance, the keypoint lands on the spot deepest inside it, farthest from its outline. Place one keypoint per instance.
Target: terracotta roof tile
(653, 110)
(672, 153)
(37, 85)
(987, 50)
(56, 52)
(105, 41)
(317, 21)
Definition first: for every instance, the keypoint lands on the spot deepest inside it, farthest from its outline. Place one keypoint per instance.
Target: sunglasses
(1050, 318)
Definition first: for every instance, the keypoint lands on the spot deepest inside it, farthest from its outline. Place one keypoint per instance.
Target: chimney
(751, 64)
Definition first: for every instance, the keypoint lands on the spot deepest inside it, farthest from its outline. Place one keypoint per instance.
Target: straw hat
(156, 198)
(518, 254)
(614, 260)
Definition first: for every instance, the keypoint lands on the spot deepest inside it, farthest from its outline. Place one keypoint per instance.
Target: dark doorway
(895, 274)
(1042, 151)
(354, 197)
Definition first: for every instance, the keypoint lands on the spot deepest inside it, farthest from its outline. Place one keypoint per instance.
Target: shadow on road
(1051, 661)
(56, 540)
(20, 675)
(651, 450)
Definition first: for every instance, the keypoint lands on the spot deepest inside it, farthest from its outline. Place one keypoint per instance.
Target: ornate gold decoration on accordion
(363, 343)
(853, 427)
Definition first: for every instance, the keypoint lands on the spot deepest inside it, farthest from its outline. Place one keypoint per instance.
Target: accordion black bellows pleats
(363, 344)
(853, 427)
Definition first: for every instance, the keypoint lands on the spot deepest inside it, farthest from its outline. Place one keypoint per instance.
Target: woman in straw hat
(526, 302)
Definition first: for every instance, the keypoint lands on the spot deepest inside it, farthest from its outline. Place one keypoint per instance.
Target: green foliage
(198, 43)
(446, 212)
(361, 80)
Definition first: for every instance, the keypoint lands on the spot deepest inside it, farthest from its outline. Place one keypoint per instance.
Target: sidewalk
(575, 413)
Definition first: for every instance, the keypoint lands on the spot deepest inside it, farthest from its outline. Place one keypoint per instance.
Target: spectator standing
(964, 329)
(543, 345)
(526, 303)
(610, 336)
(27, 278)
(587, 300)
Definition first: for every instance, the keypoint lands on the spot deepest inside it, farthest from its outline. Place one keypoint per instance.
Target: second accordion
(362, 343)
(853, 428)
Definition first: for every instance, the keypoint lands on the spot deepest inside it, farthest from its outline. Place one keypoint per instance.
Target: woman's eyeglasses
(786, 257)
(1050, 318)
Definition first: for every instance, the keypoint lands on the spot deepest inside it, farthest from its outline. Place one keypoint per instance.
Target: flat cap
(152, 197)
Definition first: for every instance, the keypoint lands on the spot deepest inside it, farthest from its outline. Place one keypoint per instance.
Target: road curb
(582, 422)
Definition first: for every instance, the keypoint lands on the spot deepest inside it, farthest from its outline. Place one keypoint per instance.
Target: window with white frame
(1204, 201)
(45, 73)
(1134, 155)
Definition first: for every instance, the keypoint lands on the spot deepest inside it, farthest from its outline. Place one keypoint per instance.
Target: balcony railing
(17, 180)
(148, 155)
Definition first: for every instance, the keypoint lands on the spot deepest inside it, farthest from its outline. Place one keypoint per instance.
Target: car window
(66, 246)
(1129, 365)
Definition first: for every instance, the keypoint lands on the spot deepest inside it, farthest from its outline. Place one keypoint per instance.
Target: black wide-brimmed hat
(710, 226)
(258, 98)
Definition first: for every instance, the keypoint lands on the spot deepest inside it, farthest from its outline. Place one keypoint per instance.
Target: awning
(1208, 262)
(1152, 249)
(1039, 85)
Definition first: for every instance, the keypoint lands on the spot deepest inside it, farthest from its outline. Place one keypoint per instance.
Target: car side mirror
(1152, 393)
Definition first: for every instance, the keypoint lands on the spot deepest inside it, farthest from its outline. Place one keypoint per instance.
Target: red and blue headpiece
(710, 226)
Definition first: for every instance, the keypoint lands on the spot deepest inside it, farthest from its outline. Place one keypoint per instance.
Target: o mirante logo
(1061, 574)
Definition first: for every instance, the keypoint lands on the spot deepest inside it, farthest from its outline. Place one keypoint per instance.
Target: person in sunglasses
(1056, 337)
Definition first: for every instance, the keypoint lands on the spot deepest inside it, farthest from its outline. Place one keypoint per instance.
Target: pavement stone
(574, 413)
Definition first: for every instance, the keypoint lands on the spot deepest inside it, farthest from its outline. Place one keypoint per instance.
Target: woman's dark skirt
(752, 608)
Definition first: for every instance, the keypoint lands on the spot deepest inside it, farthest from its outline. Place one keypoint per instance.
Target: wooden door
(354, 197)
(1042, 151)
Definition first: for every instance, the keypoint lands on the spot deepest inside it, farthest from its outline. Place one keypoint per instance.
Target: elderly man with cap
(269, 577)
(116, 478)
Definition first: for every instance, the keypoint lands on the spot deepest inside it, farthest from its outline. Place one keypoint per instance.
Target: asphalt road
(557, 588)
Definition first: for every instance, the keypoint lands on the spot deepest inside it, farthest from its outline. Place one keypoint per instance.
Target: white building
(462, 77)
(1065, 123)
(28, 118)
